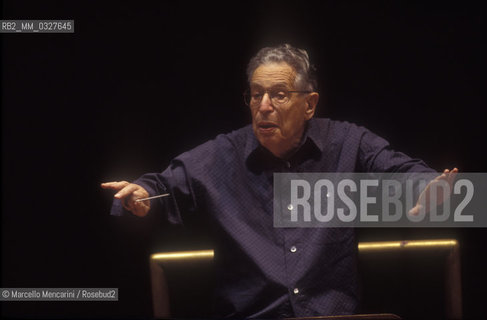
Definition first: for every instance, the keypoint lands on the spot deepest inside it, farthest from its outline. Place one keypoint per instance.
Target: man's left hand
(423, 203)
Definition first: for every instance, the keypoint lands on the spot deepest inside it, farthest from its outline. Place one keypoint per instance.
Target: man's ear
(311, 102)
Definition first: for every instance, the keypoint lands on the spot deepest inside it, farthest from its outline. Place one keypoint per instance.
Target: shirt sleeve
(186, 179)
(376, 155)
(175, 181)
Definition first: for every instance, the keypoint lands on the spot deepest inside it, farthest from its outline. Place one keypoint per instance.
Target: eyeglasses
(278, 96)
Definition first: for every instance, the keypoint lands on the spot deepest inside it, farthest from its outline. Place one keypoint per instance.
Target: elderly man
(266, 271)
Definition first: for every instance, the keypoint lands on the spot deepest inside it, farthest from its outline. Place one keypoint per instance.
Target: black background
(140, 82)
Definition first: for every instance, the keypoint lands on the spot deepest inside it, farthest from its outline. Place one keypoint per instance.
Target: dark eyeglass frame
(247, 97)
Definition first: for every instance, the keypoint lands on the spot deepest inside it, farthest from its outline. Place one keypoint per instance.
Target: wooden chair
(182, 281)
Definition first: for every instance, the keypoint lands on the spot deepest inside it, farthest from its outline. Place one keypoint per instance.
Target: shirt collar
(314, 133)
(257, 156)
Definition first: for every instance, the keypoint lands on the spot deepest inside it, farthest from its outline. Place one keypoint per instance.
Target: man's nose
(266, 104)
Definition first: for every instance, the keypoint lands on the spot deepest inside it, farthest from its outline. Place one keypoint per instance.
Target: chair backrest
(414, 279)
(182, 283)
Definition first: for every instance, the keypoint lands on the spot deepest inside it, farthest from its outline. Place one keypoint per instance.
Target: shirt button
(293, 249)
(296, 290)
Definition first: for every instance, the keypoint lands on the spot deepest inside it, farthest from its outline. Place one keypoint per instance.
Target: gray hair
(296, 58)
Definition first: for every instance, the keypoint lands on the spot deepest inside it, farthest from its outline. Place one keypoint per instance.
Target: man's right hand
(129, 192)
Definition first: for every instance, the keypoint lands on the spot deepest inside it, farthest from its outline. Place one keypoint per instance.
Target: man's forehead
(273, 74)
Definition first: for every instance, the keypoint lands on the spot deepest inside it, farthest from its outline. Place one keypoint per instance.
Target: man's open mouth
(267, 125)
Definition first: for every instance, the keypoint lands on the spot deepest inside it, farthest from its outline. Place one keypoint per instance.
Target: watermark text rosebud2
(379, 200)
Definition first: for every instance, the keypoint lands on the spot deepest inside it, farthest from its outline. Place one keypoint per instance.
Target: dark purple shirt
(263, 271)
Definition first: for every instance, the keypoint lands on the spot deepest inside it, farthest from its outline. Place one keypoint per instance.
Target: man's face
(279, 127)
